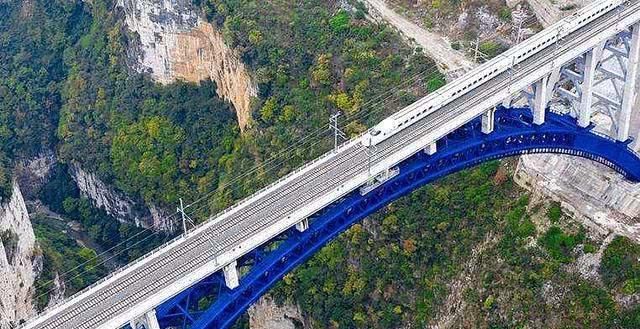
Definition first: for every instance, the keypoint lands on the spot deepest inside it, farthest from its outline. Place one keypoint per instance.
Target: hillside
(471, 251)
(110, 113)
(106, 150)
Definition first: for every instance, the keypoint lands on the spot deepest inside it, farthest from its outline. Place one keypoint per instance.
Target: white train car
(486, 71)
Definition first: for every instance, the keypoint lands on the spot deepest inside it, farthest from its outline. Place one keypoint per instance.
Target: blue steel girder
(466, 147)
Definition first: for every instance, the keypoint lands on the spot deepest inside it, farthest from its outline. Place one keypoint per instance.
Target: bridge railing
(245, 200)
(209, 221)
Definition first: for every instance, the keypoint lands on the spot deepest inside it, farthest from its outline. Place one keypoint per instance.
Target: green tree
(621, 264)
(145, 156)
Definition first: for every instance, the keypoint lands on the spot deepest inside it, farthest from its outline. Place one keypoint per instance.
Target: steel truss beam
(210, 304)
(575, 85)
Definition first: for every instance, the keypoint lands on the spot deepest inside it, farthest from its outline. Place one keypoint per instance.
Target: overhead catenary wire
(362, 115)
(316, 133)
(107, 259)
(153, 233)
(376, 101)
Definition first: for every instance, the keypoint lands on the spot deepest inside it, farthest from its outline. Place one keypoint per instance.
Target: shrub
(558, 244)
(620, 263)
(555, 212)
(505, 14)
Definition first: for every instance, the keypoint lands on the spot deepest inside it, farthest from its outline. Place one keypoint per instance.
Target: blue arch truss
(209, 304)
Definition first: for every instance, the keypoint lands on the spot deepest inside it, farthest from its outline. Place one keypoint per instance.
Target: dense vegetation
(32, 44)
(181, 140)
(62, 254)
(65, 86)
(392, 268)
(621, 265)
(68, 89)
(152, 141)
(471, 235)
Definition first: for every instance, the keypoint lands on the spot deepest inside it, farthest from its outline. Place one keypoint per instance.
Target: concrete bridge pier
(148, 321)
(540, 101)
(231, 275)
(603, 80)
(592, 58)
(431, 149)
(488, 121)
(630, 85)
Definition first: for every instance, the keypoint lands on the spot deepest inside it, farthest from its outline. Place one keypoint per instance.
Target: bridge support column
(630, 83)
(231, 277)
(152, 320)
(541, 101)
(302, 225)
(431, 149)
(488, 121)
(586, 99)
(507, 101)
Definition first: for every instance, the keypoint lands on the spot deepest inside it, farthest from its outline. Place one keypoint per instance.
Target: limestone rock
(33, 173)
(17, 250)
(58, 290)
(590, 191)
(116, 203)
(266, 314)
(176, 44)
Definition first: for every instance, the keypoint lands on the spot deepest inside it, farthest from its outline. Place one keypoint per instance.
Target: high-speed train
(418, 110)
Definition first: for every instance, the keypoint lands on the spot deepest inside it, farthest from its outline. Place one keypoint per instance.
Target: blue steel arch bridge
(544, 100)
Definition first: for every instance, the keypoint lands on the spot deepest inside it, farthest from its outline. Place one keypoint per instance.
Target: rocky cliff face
(266, 314)
(116, 203)
(591, 192)
(18, 264)
(597, 195)
(33, 173)
(175, 44)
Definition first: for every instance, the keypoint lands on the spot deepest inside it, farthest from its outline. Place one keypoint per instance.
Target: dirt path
(433, 44)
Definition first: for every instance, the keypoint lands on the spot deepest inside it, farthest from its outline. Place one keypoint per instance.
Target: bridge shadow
(209, 304)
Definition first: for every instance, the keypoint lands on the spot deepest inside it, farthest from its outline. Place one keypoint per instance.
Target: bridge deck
(101, 305)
